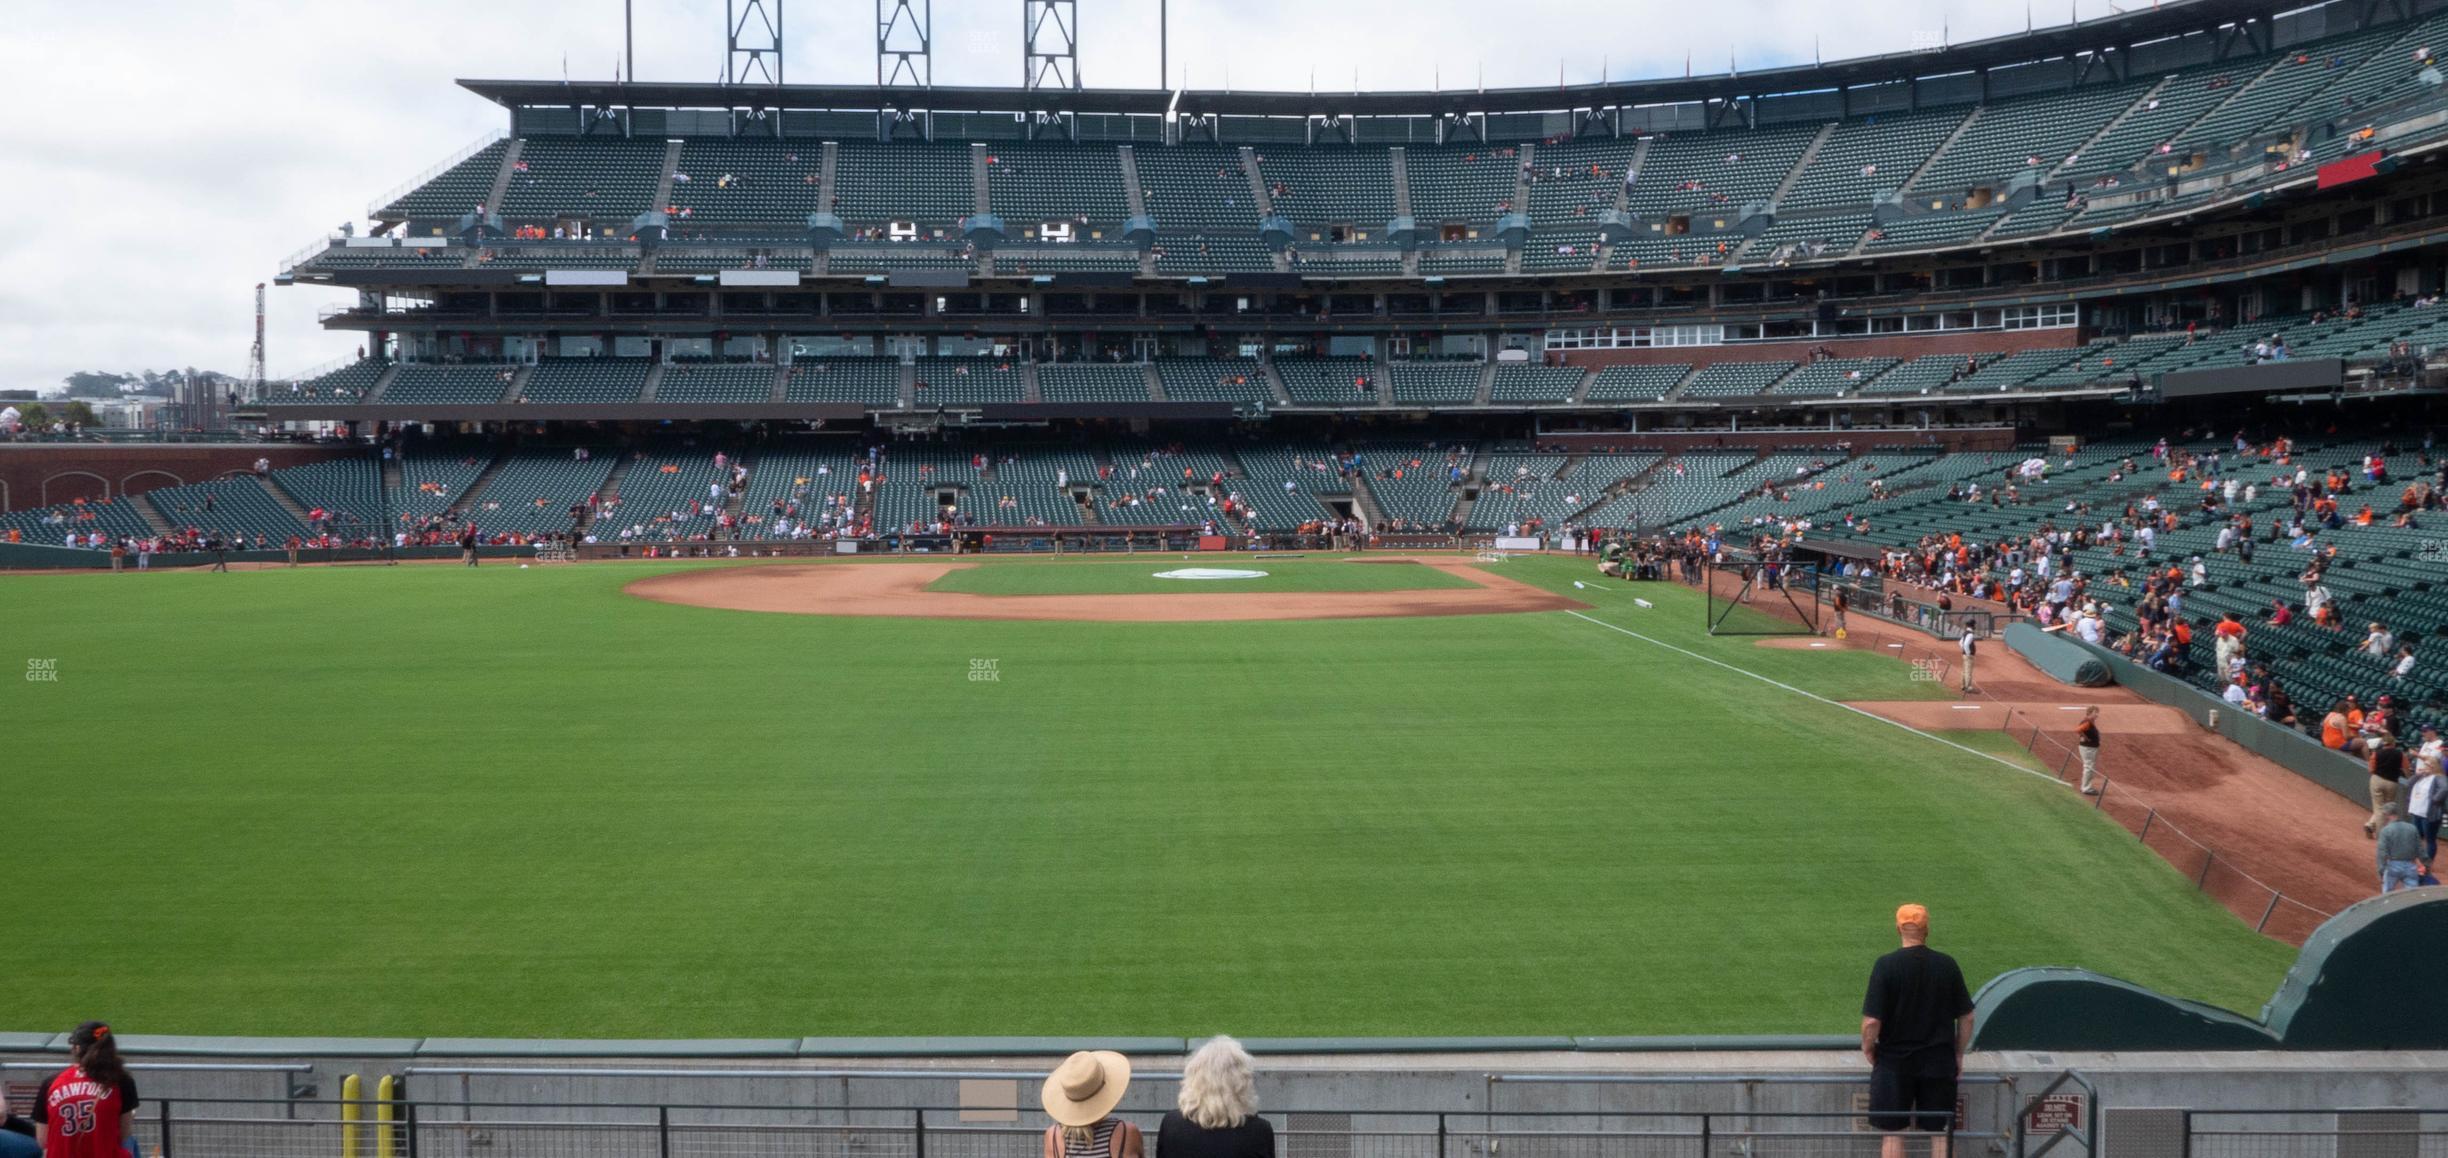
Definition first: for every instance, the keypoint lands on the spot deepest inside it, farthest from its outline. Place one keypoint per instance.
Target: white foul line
(1822, 699)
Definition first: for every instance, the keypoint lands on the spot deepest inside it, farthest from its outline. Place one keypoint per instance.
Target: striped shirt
(1099, 1144)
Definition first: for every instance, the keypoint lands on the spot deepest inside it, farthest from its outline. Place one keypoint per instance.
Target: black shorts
(1913, 1095)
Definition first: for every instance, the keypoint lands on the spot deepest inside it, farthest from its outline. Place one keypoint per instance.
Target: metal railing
(375, 207)
(376, 1128)
(2376, 1133)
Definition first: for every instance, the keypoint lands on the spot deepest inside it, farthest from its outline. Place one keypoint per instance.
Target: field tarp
(2062, 659)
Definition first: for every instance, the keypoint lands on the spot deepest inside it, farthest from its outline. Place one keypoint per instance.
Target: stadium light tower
(754, 29)
(1049, 44)
(905, 42)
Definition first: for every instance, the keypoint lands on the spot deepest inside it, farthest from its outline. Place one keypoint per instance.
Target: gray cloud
(150, 189)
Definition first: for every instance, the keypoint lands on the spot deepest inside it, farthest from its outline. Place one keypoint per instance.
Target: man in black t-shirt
(1916, 1021)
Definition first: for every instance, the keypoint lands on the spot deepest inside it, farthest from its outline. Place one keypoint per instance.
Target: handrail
(374, 209)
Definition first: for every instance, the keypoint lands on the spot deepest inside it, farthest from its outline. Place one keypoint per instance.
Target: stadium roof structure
(2100, 42)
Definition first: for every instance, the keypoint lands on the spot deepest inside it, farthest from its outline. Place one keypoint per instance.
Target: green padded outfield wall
(2350, 989)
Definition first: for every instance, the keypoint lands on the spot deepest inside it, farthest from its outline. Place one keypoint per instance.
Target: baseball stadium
(839, 619)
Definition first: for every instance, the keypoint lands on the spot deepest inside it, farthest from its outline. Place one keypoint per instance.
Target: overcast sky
(166, 155)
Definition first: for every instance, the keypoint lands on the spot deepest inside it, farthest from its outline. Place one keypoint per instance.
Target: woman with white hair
(1217, 1113)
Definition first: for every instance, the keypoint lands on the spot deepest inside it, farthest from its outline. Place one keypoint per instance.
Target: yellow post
(351, 1145)
(386, 1098)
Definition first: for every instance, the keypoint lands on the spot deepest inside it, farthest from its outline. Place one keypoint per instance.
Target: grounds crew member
(1916, 1023)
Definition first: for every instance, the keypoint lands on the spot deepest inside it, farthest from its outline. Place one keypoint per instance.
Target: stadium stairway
(476, 487)
(1155, 381)
(980, 192)
(1801, 164)
(2114, 123)
(606, 496)
(382, 382)
(1400, 166)
(654, 386)
(1372, 513)
(296, 510)
(392, 478)
(1929, 162)
(152, 517)
(501, 178)
(1525, 157)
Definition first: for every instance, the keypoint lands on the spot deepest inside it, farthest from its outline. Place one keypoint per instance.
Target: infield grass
(430, 801)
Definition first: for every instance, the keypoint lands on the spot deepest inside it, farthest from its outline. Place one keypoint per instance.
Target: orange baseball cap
(1912, 916)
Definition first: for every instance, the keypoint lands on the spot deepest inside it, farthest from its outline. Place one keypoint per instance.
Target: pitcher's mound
(899, 589)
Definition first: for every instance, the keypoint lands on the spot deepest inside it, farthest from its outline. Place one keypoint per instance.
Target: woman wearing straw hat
(1080, 1096)
(1218, 1114)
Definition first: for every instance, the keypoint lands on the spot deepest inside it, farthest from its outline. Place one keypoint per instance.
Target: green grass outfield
(1138, 577)
(425, 800)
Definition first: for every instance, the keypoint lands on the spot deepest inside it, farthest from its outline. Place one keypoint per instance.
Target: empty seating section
(2097, 361)
(1735, 379)
(967, 380)
(1459, 186)
(1833, 234)
(921, 483)
(868, 381)
(1710, 173)
(448, 384)
(2038, 216)
(586, 380)
(1678, 490)
(1434, 261)
(433, 480)
(1154, 486)
(1040, 260)
(663, 496)
(1309, 469)
(1931, 230)
(347, 490)
(113, 518)
(1092, 382)
(1522, 488)
(931, 186)
(1343, 381)
(560, 256)
(1637, 383)
(1919, 376)
(1523, 382)
(533, 490)
(238, 505)
(1654, 250)
(735, 383)
(2270, 99)
(1834, 490)
(1034, 487)
(749, 181)
(1829, 377)
(1868, 158)
(605, 180)
(2012, 370)
(1443, 383)
(1190, 253)
(818, 482)
(452, 192)
(1030, 185)
(2157, 121)
(1319, 187)
(931, 255)
(2026, 133)
(1200, 198)
(1214, 380)
(350, 383)
(1571, 183)
(2388, 76)
(1414, 482)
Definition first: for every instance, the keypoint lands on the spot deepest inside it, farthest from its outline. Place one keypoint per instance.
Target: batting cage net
(1749, 597)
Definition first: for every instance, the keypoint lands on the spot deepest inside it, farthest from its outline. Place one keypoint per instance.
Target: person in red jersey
(88, 1110)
